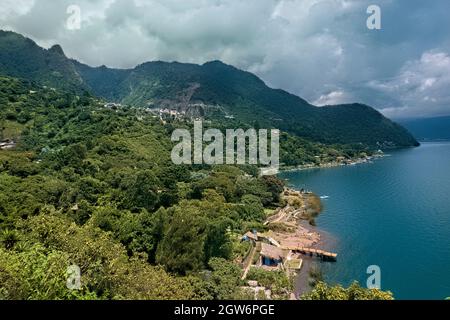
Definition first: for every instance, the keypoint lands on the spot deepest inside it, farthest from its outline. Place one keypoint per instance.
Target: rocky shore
(336, 163)
(293, 226)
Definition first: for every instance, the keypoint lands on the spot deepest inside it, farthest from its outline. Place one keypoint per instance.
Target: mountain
(213, 89)
(437, 128)
(22, 58)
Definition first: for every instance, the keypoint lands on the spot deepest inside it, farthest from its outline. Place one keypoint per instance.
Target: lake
(393, 213)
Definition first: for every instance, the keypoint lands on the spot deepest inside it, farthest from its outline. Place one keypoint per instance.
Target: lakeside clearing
(323, 240)
(291, 240)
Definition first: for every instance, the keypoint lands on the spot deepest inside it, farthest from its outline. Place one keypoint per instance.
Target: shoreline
(327, 242)
(293, 226)
(333, 164)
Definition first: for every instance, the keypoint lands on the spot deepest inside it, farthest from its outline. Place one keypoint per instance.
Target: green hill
(216, 89)
(94, 187)
(21, 57)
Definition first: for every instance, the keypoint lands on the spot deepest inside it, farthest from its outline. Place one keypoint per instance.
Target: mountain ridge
(21, 57)
(213, 84)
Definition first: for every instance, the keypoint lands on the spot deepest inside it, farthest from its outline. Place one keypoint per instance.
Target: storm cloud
(321, 50)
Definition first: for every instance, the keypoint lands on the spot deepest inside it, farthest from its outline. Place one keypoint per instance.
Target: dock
(324, 255)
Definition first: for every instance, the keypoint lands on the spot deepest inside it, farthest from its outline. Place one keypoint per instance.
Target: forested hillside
(21, 57)
(86, 184)
(218, 89)
(245, 97)
(90, 186)
(94, 187)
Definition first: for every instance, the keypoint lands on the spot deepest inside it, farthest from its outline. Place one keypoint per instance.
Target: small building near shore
(270, 255)
(250, 236)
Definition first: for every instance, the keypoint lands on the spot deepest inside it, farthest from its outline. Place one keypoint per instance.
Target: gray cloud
(318, 49)
(421, 87)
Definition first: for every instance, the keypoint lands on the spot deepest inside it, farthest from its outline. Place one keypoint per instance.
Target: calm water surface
(394, 213)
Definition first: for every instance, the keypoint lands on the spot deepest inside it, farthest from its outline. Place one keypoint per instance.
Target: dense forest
(92, 186)
(90, 183)
(218, 89)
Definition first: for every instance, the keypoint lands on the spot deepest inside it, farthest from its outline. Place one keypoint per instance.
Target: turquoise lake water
(394, 213)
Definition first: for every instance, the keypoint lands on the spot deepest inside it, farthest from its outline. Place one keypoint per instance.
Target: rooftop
(271, 252)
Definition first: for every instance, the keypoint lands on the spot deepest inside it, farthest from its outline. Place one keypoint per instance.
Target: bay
(393, 213)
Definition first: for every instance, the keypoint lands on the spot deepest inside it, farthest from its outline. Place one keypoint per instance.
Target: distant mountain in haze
(214, 89)
(437, 128)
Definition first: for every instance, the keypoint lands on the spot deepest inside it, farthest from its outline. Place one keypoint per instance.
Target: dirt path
(249, 263)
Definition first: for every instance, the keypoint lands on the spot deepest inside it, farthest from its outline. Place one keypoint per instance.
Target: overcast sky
(320, 50)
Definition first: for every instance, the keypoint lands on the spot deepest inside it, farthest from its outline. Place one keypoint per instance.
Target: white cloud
(10, 8)
(332, 98)
(421, 86)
